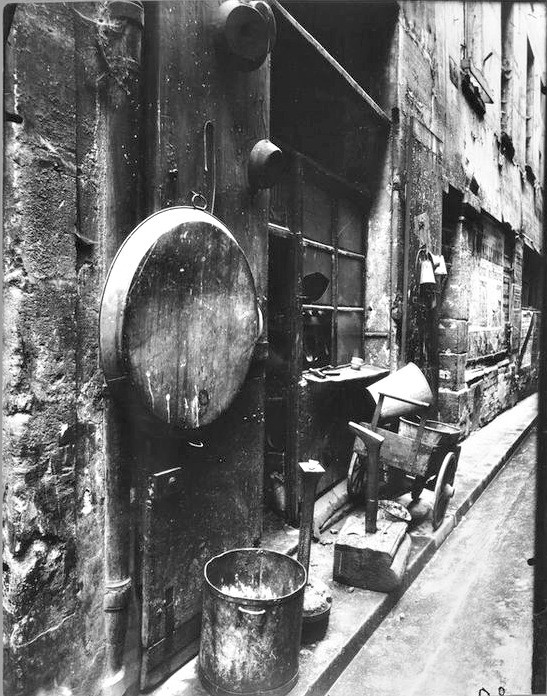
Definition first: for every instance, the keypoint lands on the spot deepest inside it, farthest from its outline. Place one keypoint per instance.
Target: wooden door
(200, 494)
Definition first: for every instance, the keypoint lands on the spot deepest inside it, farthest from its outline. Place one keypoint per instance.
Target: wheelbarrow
(426, 451)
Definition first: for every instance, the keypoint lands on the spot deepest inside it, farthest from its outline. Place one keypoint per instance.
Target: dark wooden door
(199, 494)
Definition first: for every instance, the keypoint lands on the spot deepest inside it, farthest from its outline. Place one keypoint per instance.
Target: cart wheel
(357, 476)
(444, 489)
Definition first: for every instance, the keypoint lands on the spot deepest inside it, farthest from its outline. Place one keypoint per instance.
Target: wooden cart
(426, 451)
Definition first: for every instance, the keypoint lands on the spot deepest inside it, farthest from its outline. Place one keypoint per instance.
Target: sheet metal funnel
(408, 382)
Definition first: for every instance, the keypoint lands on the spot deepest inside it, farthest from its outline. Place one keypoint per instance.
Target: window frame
(337, 189)
(474, 84)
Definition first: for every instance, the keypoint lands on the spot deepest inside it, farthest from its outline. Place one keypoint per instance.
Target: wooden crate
(371, 561)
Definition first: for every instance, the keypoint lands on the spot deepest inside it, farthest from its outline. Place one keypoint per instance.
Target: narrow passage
(466, 622)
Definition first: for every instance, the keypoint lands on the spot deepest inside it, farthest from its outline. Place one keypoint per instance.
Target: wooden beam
(375, 108)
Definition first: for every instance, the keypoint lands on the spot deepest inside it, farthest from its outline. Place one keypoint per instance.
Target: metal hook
(197, 198)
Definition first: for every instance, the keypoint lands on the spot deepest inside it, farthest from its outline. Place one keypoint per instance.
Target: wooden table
(369, 373)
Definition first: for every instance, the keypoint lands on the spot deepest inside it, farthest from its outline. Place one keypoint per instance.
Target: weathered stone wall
(53, 463)
(490, 391)
(433, 39)
(430, 89)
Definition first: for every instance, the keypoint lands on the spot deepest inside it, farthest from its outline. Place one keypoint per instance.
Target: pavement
(357, 613)
(466, 623)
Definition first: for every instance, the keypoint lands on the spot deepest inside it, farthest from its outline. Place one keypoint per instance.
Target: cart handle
(367, 436)
(373, 441)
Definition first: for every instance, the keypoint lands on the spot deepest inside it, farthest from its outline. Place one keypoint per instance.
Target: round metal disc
(179, 318)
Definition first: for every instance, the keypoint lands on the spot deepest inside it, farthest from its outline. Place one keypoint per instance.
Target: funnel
(407, 383)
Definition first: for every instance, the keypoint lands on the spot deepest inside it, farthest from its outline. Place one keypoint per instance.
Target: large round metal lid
(179, 317)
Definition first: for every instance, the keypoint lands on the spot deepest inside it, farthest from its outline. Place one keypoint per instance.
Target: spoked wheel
(444, 488)
(357, 477)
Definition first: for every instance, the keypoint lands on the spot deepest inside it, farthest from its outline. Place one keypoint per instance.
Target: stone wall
(479, 337)
(489, 391)
(52, 439)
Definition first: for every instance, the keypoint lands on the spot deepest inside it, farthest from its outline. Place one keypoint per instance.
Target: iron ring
(197, 198)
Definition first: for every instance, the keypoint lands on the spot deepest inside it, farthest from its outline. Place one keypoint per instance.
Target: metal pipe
(310, 472)
(397, 206)
(120, 48)
(406, 255)
(396, 216)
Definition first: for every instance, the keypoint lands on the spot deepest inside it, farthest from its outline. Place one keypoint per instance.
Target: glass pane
(350, 332)
(317, 214)
(350, 282)
(317, 325)
(351, 227)
(317, 273)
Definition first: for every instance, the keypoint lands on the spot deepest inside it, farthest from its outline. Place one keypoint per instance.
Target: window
(475, 57)
(333, 263)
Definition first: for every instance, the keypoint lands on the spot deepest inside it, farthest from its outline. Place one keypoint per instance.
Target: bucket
(409, 381)
(435, 432)
(251, 623)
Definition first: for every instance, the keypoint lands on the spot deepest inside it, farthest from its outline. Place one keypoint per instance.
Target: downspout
(405, 187)
(396, 229)
(406, 258)
(397, 210)
(120, 49)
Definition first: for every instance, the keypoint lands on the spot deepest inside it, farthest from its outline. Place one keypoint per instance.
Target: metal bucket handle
(254, 615)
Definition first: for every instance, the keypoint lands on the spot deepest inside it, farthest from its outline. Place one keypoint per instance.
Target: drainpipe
(406, 251)
(399, 276)
(119, 42)
(396, 229)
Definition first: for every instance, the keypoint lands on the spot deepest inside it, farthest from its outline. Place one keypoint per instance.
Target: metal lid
(179, 317)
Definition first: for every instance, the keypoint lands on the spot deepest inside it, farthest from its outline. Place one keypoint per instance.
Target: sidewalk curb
(423, 549)
(475, 494)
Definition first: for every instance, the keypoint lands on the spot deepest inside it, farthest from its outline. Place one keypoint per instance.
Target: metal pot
(251, 623)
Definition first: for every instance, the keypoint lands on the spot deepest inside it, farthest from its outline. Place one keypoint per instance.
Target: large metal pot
(435, 433)
(251, 623)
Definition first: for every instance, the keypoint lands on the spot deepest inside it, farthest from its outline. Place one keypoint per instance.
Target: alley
(466, 623)
(228, 224)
